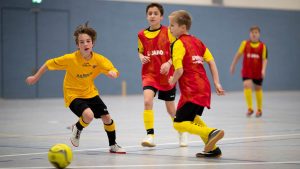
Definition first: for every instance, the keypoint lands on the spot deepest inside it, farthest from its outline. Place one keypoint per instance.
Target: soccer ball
(60, 155)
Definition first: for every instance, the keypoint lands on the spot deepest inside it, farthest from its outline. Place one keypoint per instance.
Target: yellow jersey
(80, 74)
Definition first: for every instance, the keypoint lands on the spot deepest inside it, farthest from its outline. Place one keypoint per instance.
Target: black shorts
(99, 109)
(255, 81)
(188, 112)
(163, 95)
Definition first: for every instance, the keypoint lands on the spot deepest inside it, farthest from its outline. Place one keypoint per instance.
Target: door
(18, 53)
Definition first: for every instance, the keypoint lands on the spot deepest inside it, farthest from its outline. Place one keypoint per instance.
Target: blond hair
(182, 17)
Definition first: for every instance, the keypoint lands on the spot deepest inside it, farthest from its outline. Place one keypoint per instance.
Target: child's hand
(219, 90)
(112, 74)
(171, 80)
(164, 68)
(144, 59)
(30, 80)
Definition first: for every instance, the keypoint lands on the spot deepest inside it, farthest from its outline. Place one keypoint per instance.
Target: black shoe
(212, 154)
(213, 138)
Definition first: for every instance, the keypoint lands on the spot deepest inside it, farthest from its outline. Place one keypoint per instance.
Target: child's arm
(35, 78)
(177, 74)
(264, 67)
(234, 62)
(215, 75)
(165, 67)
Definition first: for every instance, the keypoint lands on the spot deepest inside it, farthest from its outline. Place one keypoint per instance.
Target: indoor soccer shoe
(258, 113)
(117, 149)
(249, 112)
(213, 138)
(183, 139)
(148, 141)
(211, 154)
(75, 136)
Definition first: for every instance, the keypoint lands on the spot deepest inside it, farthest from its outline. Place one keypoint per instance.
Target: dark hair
(182, 17)
(85, 29)
(157, 5)
(255, 27)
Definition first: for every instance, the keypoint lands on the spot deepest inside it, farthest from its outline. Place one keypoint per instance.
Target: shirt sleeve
(106, 65)
(140, 46)
(265, 53)
(242, 47)
(171, 37)
(207, 56)
(178, 54)
(59, 63)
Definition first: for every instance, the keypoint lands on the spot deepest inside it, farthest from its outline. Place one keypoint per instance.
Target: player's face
(254, 35)
(175, 29)
(154, 17)
(85, 44)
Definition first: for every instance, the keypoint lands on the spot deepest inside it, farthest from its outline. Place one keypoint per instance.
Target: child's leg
(85, 119)
(110, 128)
(259, 99)
(183, 139)
(148, 113)
(201, 123)
(248, 95)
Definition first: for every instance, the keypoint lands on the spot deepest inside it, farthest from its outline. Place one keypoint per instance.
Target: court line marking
(171, 165)
(162, 144)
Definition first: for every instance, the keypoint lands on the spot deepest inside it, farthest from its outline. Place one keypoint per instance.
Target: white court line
(170, 165)
(163, 144)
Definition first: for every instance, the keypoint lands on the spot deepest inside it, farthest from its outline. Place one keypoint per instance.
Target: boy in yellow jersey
(80, 92)
(255, 55)
(189, 54)
(154, 53)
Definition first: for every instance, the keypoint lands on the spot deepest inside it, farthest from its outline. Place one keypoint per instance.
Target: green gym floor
(29, 128)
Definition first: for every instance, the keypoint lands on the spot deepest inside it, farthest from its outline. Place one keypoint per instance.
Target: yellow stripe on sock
(82, 122)
(110, 127)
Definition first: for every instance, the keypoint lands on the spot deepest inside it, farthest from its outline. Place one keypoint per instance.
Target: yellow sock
(192, 128)
(201, 123)
(248, 97)
(259, 97)
(149, 119)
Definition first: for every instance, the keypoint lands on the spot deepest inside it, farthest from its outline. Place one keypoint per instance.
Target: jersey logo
(252, 55)
(197, 59)
(84, 75)
(155, 53)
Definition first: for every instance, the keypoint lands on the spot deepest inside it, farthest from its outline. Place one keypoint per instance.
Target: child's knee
(179, 126)
(88, 115)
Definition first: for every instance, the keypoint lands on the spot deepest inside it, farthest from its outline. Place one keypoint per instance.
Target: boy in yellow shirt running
(80, 92)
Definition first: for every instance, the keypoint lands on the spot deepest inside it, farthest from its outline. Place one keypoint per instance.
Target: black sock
(150, 131)
(79, 126)
(111, 137)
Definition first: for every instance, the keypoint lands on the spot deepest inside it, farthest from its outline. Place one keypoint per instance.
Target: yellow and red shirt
(189, 53)
(254, 54)
(80, 74)
(156, 45)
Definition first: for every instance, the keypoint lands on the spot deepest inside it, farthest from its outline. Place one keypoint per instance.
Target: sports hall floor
(29, 128)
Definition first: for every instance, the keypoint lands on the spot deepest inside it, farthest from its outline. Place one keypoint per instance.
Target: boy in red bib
(154, 53)
(189, 55)
(254, 54)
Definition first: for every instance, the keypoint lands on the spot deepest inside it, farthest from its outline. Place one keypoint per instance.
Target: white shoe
(117, 149)
(75, 136)
(183, 139)
(148, 141)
